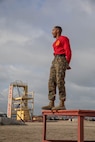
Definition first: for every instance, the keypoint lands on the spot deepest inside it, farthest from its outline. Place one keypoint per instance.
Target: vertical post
(80, 129)
(44, 128)
(9, 107)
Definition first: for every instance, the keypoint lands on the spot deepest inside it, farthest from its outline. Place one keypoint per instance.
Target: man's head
(56, 31)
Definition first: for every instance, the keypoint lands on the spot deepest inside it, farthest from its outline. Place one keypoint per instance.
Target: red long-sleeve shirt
(62, 46)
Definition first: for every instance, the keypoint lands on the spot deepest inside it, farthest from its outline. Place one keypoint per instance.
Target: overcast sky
(26, 48)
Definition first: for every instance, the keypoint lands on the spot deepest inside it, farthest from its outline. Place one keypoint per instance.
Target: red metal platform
(80, 115)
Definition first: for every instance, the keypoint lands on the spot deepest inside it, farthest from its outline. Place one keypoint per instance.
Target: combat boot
(61, 106)
(50, 106)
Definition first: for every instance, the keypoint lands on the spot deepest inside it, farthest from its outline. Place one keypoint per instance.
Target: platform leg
(80, 129)
(44, 128)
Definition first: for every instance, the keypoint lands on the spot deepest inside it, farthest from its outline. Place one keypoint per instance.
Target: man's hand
(68, 68)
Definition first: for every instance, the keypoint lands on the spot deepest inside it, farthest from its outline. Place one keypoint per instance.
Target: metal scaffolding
(20, 101)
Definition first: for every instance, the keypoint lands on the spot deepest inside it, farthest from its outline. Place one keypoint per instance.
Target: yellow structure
(23, 115)
(20, 102)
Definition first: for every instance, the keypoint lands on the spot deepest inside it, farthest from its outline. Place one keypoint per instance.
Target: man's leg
(60, 79)
(61, 85)
(51, 88)
(52, 83)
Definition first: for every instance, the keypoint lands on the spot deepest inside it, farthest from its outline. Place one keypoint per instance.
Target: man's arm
(67, 49)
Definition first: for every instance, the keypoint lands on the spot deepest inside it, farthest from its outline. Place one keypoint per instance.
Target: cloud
(26, 48)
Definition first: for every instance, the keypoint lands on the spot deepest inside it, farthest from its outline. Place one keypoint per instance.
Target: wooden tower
(20, 102)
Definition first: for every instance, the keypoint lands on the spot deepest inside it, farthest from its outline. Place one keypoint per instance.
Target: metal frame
(21, 99)
(80, 115)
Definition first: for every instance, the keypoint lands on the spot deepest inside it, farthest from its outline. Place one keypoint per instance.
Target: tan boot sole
(59, 108)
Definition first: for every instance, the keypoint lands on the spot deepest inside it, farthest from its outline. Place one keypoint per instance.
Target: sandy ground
(32, 131)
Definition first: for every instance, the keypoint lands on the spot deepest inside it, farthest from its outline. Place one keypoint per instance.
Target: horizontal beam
(84, 113)
(59, 141)
(64, 141)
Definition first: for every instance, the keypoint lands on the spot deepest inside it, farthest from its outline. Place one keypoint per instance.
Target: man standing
(60, 63)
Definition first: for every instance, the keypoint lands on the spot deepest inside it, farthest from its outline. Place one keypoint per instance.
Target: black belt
(59, 55)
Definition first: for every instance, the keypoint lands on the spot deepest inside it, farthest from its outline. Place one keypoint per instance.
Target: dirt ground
(58, 130)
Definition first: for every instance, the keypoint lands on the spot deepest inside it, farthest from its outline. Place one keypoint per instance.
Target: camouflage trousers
(57, 78)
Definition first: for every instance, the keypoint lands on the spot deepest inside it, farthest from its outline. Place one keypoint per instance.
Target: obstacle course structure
(20, 102)
(80, 114)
